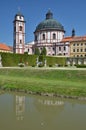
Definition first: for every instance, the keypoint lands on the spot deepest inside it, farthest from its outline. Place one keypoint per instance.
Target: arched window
(54, 36)
(43, 37)
(20, 28)
(64, 48)
(20, 41)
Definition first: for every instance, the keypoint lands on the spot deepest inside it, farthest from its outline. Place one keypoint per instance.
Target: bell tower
(19, 33)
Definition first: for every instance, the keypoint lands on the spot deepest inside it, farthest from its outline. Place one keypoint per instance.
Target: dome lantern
(49, 15)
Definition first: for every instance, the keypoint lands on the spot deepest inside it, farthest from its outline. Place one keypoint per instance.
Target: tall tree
(44, 51)
(37, 52)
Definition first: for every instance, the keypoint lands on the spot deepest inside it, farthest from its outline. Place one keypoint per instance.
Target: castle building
(49, 34)
(19, 34)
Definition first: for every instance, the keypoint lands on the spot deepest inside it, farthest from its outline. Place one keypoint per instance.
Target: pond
(29, 112)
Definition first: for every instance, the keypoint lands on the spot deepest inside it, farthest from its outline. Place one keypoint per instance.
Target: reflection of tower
(20, 107)
(19, 33)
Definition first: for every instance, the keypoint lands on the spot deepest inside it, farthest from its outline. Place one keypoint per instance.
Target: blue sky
(70, 13)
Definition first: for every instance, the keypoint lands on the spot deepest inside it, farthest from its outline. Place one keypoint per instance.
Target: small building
(5, 48)
(29, 48)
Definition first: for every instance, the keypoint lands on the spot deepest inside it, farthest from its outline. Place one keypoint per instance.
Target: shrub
(41, 65)
(21, 64)
(33, 65)
(50, 65)
(81, 66)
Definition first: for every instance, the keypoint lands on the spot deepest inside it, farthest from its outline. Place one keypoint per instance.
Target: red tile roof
(4, 47)
(66, 39)
(75, 38)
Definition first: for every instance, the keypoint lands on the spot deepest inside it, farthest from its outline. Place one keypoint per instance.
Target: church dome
(49, 23)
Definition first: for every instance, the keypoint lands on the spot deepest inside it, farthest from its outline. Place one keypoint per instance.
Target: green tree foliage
(44, 51)
(37, 52)
(41, 58)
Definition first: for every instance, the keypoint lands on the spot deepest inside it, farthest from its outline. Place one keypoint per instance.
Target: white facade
(63, 49)
(48, 33)
(29, 48)
(19, 34)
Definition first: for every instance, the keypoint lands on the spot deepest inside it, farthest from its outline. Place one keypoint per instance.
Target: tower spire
(73, 32)
(19, 10)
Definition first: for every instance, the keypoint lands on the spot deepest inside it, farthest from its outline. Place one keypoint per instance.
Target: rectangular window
(59, 48)
(73, 50)
(81, 50)
(53, 48)
(77, 50)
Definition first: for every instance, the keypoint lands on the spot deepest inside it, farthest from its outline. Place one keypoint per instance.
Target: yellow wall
(78, 49)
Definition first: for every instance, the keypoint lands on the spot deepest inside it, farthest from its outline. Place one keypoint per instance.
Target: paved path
(46, 68)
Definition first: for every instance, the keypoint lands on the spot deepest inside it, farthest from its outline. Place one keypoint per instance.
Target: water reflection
(28, 112)
(48, 110)
(20, 107)
(51, 102)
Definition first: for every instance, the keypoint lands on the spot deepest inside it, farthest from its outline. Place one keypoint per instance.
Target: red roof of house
(75, 38)
(4, 47)
(66, 39)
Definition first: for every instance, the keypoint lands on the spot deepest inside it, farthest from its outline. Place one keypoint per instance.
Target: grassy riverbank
(61, 82)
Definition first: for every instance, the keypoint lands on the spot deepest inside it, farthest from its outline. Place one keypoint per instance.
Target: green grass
(62, 82)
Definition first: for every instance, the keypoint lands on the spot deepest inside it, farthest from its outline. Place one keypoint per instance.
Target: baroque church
(49, 34)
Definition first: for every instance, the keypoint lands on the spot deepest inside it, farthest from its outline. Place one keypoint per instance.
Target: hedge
(11, 59)
(81, 66)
